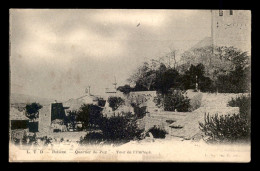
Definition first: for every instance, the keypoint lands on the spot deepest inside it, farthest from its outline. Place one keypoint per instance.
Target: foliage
(237, 81)
(228, 128)
(46, 140)
(89, 115)
(32, 110)
(244, 104)
(150, 77)
(166, 78)
(140, 112)
(126, 89)
(101, 102)
(92, 137)
(174, 100)
(143, 77)
(195, 74)
(71, 119)
(217, 60)
(115, 102)
(157, 132)
(120, 128)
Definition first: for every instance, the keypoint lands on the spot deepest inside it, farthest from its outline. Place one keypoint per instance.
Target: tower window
(230, 12)
(220, 12)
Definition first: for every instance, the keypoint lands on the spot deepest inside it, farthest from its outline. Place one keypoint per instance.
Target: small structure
(19, 124)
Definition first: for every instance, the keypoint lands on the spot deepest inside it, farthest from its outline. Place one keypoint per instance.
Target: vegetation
(90, 115)
(115, 102)
(92, 138)
(126, 89)
(101, 102)
(140, 112)
(116, 129)
(157, 132)
(244, 104)
(222, 69)
(32, 110)
(196, 74)
(230, 128)
(120, 128)
(71, 119)
(174, 100)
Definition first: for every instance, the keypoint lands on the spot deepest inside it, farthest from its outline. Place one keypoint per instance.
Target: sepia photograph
(129, 85)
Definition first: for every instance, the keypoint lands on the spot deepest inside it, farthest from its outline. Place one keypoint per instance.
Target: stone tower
(231, 28)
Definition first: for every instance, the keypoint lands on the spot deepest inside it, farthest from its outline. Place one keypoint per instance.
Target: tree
(196, 74)
(32, 110)
(144, 77)
(115, 102)
(166, 78)
(71, 119)
(216, 60)
(173, 100)
(237, 81)
(120, 128)
(89, 115)
(126, 89)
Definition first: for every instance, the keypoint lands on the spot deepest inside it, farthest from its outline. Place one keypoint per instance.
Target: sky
(57, 53)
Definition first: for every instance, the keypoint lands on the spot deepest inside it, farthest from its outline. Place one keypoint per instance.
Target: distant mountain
(207, 41)
(22, 98)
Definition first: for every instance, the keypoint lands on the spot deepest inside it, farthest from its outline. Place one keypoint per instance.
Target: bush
(47, 140)
(244, 104)
(90, 138)
(32, 110)
(89, 115)
(237, 81)
(228, 128)
(101, 102)
(157, 132)
(120, 128)
(115, 102)
(175, 100)
(28, 140)
(140, 112)
(126, 89)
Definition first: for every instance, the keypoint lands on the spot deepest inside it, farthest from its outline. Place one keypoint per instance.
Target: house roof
(15, 114)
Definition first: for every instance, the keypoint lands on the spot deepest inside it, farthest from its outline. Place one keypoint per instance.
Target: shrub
(157, 132)
(71, 119)
(244, 104)
(32, 110)
(47, 140)
(101, 102)
(140, 112)
(32, 139)
(92, 137)
(175, 100)
(126, 89)
(115, 102)
(228, 128)
(120, 128)
(237, 81)
(89, 115)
